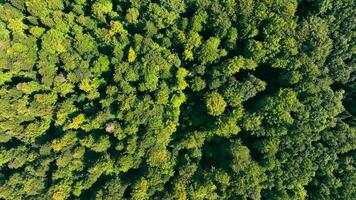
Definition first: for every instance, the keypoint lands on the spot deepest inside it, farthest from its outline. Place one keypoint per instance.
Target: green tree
(215, 104)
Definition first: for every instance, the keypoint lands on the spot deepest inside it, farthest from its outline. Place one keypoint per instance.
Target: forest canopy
(177, 99)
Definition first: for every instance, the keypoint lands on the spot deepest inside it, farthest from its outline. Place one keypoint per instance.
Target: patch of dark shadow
(182, 158)
(314, 185)
(179, 48)
(26, 123)
(114, 107)
(128, 191)
(142, 132)
(87, 107)
(38, 75)
(106, 50)
(273, 193)
(294, 115)
(121, 6)
(129, 177)
(306, 8)
(216, 153)
(87, 7)
(260, 37)
(113, 152)
(240, 46)
(251, 142)
(31, 97)
(60, 99)
(349, 98)
(344, 115)
(350, 121)
(90, 107)
(27, 32)
(109, 75)
(207, 33)
(350, 104)
(12, 143)
(241, 75)
(96, 133)
(132, 174)
(351, 153)
(67, 7)
(81, 134)
(52, 168)
(336, 86)
(189, 11)
(90, 157)
(52, 133)
(73, 114)
(176, 137)
(7, 172)
(271, 77)
(102, 91)
(27, 21)
(138, 28)
(18, 79)
(253, 104)
(193, 113)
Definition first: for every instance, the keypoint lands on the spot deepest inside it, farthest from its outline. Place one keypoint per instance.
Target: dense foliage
(177, 99)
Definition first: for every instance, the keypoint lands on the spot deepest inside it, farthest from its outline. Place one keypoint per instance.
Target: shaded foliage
(177, 99)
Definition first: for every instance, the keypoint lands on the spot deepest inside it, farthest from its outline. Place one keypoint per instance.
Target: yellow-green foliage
(177, 99)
